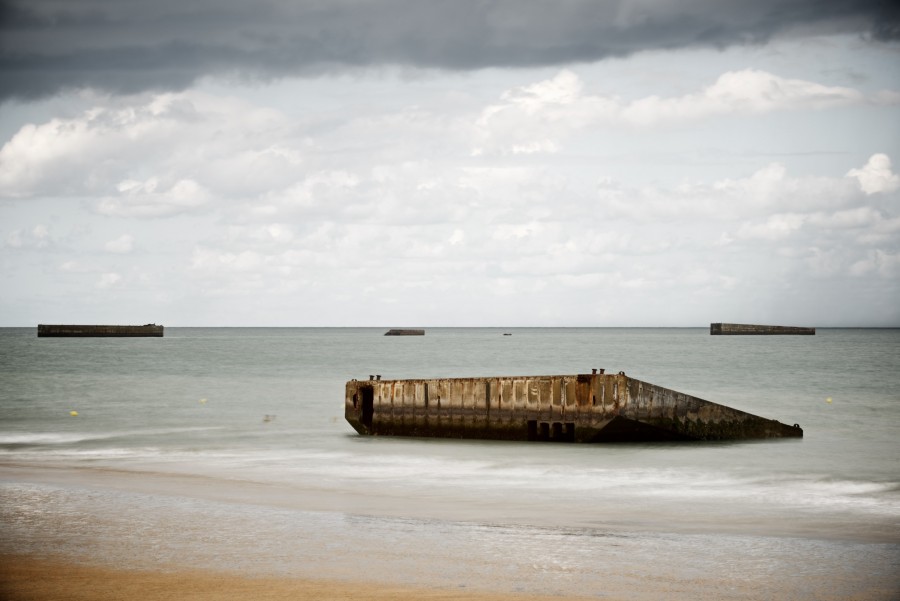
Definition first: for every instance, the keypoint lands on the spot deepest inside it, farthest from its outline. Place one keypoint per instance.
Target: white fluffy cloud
(739, 92)
(886, 264)
(188, 139)
(36, 237)
(150, 198)
(545, 206)
(108, 280)
(876, 175)
(709, 240)
(161, 155)
(124, 244)
(536, 117)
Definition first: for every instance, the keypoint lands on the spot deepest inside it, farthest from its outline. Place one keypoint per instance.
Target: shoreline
(32, 578)
(156, 480)
(83, 533)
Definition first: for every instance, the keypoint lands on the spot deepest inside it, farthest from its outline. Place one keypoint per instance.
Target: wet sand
(101, 534)
(27, 578)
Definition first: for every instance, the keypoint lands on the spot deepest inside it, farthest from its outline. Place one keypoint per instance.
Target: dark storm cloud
(133, 45)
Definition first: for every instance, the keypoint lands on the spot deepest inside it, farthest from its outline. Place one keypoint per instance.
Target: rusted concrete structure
(93, 331)
(747, 329)
(595, 407)
(406, 332)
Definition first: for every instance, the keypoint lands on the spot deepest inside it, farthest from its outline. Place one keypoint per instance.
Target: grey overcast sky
(449, 162)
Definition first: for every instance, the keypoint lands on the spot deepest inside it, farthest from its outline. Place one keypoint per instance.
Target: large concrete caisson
(594, 407)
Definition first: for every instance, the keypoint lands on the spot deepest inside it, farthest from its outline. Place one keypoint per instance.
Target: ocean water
(227, 448)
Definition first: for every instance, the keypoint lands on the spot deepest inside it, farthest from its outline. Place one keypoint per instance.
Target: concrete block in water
(407, 332)
(95, 331)
(747, 329)
(596, 407)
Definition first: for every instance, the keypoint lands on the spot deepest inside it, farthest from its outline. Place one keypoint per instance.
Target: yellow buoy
(828, 400)
(73, 413)
(201, 401)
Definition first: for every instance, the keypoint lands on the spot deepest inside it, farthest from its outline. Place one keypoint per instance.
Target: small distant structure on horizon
(150, 330)
(404, 332)
(746, 329)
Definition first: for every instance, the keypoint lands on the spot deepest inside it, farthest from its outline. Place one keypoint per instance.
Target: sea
(227, 449)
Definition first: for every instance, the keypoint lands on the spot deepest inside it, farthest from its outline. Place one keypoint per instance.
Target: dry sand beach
(24, 578)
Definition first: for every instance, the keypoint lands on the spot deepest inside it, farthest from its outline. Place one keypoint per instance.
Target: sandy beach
(26, 578)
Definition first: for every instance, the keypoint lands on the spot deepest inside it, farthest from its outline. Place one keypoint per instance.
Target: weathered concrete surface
(406, 332)
(94, 331)
(593, 407)
(746, 329)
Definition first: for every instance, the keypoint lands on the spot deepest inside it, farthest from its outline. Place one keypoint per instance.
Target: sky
(450, 162)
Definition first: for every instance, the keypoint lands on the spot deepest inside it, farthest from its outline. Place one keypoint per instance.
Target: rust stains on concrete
(595, 407)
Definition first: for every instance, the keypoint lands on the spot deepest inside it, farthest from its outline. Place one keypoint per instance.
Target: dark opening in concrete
(368, 406)
(545, 431)
(557, 431)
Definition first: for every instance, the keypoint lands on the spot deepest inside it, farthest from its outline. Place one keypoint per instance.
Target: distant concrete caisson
(749, 329)
(595, 407)
(95, 331)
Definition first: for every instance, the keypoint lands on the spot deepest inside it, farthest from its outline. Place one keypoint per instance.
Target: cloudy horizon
(398, 163)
